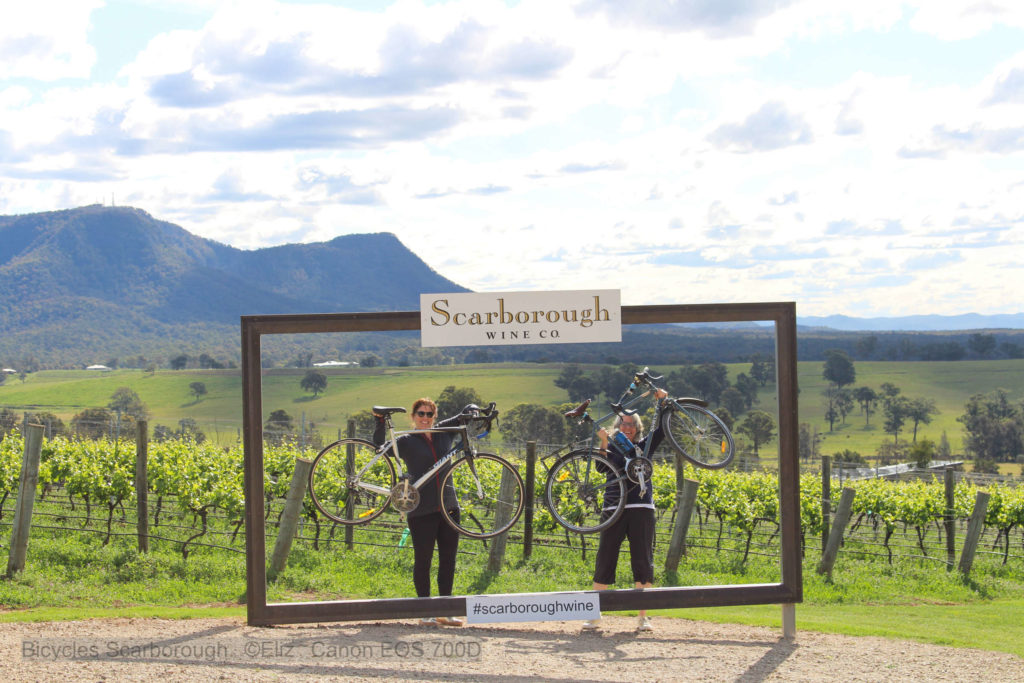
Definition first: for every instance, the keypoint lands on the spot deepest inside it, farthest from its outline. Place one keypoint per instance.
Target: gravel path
(678, 650)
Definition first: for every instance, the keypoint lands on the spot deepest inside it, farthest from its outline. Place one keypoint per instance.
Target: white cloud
(46, 40)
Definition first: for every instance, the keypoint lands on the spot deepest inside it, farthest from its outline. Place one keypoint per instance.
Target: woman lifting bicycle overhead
(637, 520)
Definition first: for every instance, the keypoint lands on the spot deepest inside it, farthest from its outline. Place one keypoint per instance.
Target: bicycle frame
(390, 450)
(604, 418)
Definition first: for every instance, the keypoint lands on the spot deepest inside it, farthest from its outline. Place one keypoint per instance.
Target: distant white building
(9, 371)
(332, 364)
(101, 368)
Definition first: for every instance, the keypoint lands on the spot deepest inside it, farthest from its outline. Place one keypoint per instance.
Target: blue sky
(858, 157)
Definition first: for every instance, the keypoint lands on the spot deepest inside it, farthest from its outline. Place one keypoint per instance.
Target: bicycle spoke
(699, 435)
(490, 495)
(350, 482)
(578, 491)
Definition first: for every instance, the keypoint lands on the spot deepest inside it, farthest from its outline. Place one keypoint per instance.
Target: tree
(847, 457)
(982, 344)
(832, 394)
(920, 411)
(370, 360)
(451, 401)
(569, 374)
(179, 362)
(582, 388)
(922, 453)
(888, 391)
(91, 423)
(734, 401)
(208, 362)
(127, 402)
(314, 381)
(8, 422)
(278, 427)
(866, 346)
(197, 389)
(808, 441)
(985, 466)
(839, 368)
(994, 427)
(943, 451)
(889, 453)
(747, 386)
(54, 426)
(762, 369)
(867, 398)
(844, 403)
(759, 426)
(533, 422)
(895, 416)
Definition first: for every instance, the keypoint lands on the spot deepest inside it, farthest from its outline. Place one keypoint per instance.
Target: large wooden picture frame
(789, 590)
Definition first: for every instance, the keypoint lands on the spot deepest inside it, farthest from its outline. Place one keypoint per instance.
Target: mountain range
(98, 282)
(917, 323)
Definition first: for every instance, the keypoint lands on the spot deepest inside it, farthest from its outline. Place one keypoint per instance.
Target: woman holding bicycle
(637, 520)
(427, 526)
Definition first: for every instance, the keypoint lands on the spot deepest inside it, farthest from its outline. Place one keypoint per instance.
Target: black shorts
(637, 525)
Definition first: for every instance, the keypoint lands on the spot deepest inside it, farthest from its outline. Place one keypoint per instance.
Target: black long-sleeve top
(618, 458)
(419, 454)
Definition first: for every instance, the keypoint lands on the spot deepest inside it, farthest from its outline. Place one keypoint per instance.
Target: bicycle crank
(404, 497)
(639, 469)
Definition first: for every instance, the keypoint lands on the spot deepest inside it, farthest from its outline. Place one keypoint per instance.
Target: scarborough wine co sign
(492, 319)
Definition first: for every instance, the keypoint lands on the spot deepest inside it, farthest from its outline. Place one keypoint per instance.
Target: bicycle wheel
(578, 486)
(490, 494)
(698, 435)
(350, 482)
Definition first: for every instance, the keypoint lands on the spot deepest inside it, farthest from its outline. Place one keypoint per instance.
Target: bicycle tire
(698, 435)
(486, 508)
(576, 489)
(338, 494)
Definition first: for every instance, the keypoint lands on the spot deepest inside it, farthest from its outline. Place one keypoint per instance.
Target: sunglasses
(425, 413)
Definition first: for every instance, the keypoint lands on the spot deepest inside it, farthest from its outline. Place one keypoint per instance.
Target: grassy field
(75, 577)
(166, 394)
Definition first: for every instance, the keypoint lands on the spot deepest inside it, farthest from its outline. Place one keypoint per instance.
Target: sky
(858, 157)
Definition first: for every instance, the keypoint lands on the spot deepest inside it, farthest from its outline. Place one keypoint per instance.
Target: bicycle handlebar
(474, 412)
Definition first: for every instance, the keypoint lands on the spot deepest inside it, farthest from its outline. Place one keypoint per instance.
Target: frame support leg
(789, 621)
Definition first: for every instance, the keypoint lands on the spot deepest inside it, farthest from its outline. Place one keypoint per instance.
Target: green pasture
(949, 384)
(349, 390)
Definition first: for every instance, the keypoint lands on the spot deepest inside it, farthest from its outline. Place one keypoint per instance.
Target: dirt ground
(678, 650)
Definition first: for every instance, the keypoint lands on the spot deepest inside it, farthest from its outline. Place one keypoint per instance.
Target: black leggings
(426, 531)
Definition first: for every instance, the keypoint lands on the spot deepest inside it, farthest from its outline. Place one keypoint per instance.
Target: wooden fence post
(501, 515)
(27, 484)
(974, 528)
(531, 479)
(142, 486)
(685, 500)
(835, 537)
(950, 518)
(290, 517)
(350, 468)
(826, 498)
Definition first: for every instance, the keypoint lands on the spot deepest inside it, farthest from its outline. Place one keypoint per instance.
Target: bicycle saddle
(384, 410)
(578, 410)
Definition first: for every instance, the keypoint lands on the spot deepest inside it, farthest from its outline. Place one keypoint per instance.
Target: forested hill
(99, 282)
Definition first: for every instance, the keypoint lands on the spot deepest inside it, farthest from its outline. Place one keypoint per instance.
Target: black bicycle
(353, 482)
(580, 482)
